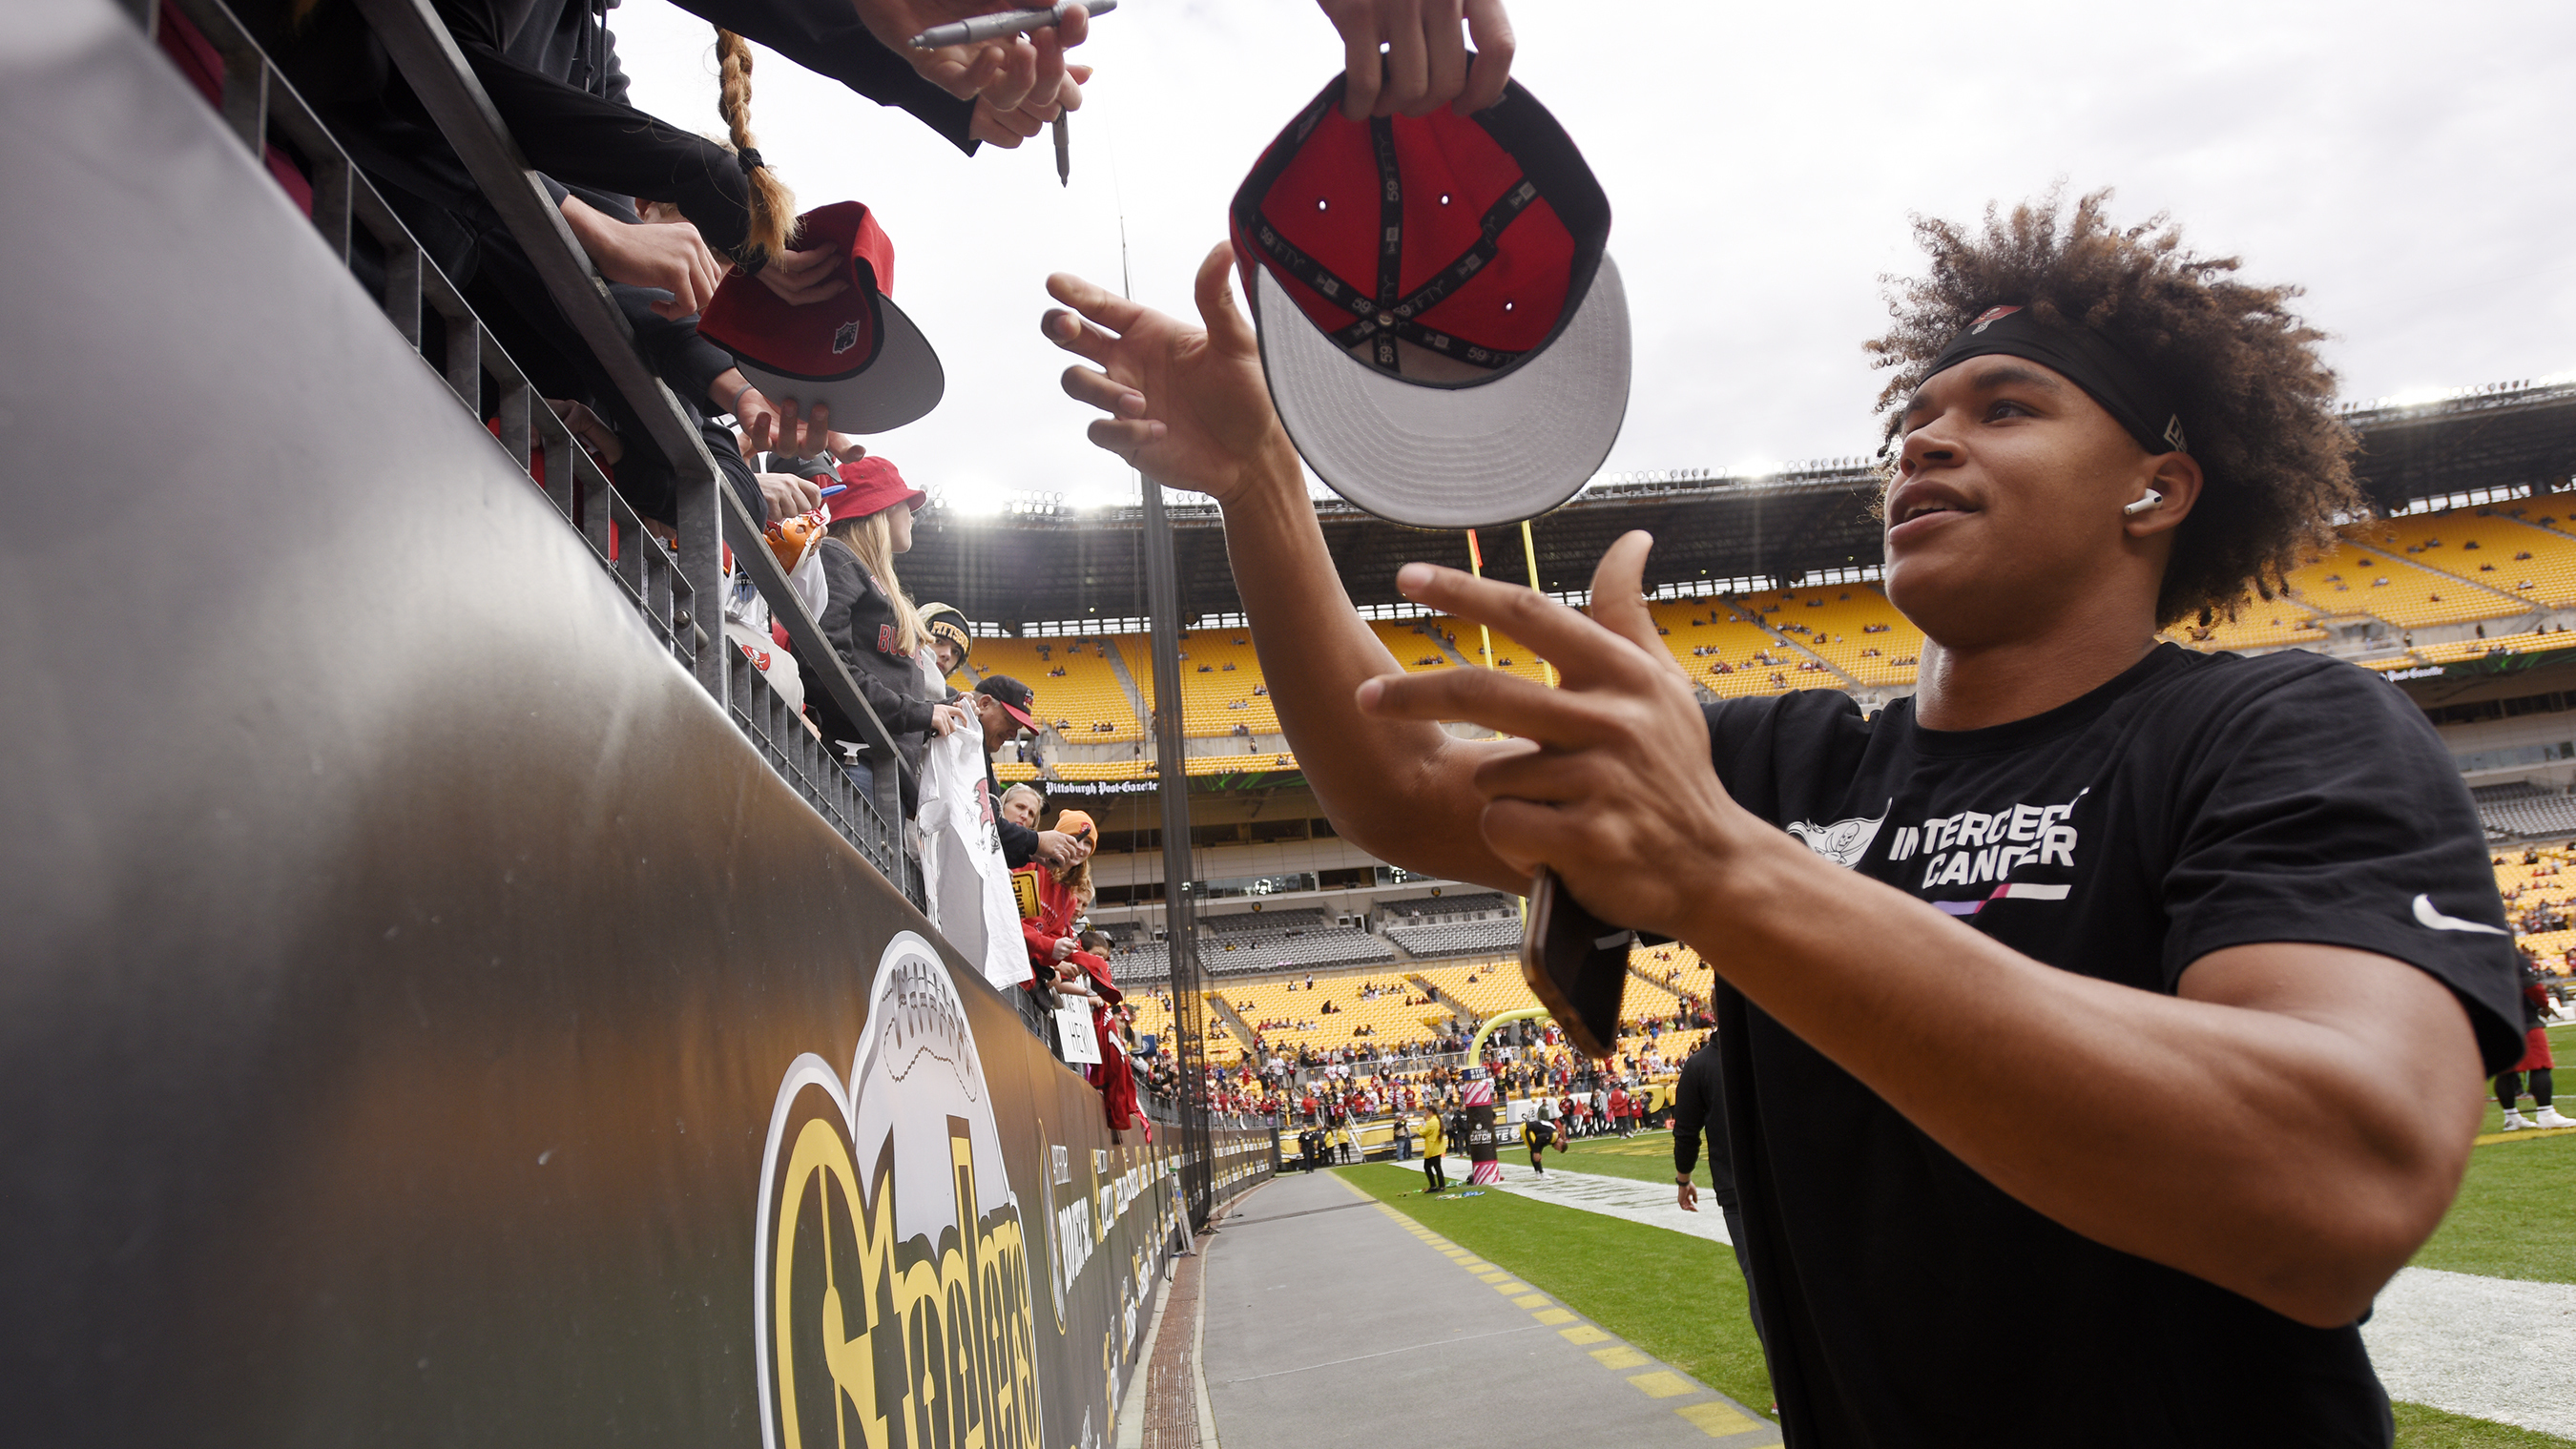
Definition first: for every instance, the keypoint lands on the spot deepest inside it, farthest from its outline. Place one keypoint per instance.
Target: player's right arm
(1188, 406)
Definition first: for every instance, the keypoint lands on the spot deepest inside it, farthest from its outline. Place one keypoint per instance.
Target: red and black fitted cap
(854, 351)
(1443, 330)
(1016, 699)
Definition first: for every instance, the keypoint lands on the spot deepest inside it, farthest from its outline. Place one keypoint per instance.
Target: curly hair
(2256, 401)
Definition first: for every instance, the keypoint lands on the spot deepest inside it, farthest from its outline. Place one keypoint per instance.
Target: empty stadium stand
(1414, 650)
(2359, 578)
(1449, 907)
(1287, 1014)
(2488, 546)
(2530, 642)
(1459, 938)
(2260, 623)
(1269, 941)
(1852, 627)
(1728, 654)
(1077, 688)
(1219, 674)
(2533, 814)
(1483, 987)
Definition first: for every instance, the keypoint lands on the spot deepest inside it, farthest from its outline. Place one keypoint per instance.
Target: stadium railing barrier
(679, 597)
(396, 1026)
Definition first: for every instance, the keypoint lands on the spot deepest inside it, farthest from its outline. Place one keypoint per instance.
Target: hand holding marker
(1014, 22)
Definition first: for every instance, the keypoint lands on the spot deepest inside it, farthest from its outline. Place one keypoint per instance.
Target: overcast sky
(2406, 163)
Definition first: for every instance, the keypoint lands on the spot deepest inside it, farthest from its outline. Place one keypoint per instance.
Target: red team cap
(1444, 335)
(854, 351)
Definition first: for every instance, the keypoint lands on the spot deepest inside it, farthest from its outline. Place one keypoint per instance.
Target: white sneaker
(2513, 1122)
(2552, 1117)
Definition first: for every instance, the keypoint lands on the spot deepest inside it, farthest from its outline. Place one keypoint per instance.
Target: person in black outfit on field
(2199, 956)
(1699, 1106)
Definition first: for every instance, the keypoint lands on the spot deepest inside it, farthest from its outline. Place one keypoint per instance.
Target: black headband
(2133, 398)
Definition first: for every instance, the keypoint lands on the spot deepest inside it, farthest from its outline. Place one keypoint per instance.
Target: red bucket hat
(854, 351)
(871, 485)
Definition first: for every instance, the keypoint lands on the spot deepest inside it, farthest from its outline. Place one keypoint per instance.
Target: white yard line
(2493, 1348)
(1617, 1197)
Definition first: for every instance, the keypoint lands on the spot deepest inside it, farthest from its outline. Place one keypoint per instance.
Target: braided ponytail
(773, 207)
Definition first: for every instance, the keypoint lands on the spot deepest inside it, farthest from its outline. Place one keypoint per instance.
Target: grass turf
(2510, 1219)
(2421, 1428)
(1677, 1297)
(2506, 1223)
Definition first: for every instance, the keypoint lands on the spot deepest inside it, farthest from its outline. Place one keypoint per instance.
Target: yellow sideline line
(2528, 1134)
(1716, 1416)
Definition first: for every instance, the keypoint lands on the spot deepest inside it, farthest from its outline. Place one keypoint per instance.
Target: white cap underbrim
(1452, 457)
(902, 385)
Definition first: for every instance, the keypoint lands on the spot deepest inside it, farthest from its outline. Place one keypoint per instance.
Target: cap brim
(1017, 713)
(1452, 457)
(902, 385)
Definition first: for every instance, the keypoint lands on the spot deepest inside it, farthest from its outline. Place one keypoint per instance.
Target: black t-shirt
(2195, 802)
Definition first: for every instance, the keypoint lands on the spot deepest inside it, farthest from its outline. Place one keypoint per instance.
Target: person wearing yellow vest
(1435, 1142)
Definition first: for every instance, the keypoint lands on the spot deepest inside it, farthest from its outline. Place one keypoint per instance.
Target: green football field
(1682, 1300)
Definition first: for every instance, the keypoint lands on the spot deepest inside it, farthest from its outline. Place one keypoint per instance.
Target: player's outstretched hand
(1612, 788)
(1187, 405)
(1424, 65)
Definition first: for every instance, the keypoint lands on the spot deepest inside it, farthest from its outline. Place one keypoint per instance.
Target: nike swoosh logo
(2426, 916)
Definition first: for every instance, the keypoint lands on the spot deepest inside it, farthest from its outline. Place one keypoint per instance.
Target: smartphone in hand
(1576, 964)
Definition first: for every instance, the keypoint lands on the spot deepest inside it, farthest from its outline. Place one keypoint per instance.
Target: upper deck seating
(2488, 546)
(1077, 690)
(1852, 627)
(2354, 578)
(1727, 654)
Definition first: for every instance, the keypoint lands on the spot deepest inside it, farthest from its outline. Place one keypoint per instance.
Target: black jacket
(1699, 1104)
(550, 67)
(859, 620)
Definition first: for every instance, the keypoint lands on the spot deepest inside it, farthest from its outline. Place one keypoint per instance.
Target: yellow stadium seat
(2370, 578)
(1414, 652)
(2487, 546)
(1852, 627)
(2260, 623)
(1219, 676)
(1077, 689)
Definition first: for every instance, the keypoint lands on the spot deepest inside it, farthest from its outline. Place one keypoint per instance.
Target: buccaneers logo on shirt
(1845, 841)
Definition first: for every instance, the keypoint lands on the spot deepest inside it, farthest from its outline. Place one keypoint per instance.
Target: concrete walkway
(1331, 1320)
(2492, 1348)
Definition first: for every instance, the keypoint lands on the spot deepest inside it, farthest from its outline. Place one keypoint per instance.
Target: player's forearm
(1394, 787)
(2270, 1154)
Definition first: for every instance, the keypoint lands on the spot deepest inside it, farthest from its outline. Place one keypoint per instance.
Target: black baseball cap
(1016, 699)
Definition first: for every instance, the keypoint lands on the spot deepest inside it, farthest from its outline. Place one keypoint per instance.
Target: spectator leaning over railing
(1001, 704)
(951, 638)
(550, 68)
(872, 622)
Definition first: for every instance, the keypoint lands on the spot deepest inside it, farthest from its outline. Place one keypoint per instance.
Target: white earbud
(2148, 504)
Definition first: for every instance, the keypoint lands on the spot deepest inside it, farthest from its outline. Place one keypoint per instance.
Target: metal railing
(677, 597)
